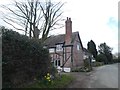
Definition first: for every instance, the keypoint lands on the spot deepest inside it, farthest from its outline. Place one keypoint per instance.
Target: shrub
(86, 68)
(75, 70)
(81, 69)
(96, 64)
(86, 63)
(102, 58)
(23, 59)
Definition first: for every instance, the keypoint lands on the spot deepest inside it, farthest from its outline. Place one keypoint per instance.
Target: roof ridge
(63, 34)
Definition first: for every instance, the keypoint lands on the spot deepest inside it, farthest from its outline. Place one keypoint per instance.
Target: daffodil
(48, 74)
(48, 78)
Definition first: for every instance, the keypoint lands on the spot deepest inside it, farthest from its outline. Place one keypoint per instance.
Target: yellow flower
(48, 74)
(48, 78)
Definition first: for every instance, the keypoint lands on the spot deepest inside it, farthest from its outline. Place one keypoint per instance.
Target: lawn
(58, 82)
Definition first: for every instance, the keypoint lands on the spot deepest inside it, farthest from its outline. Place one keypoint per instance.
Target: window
(51, 50)
(78, 47)
(59, 47)
(57, 63)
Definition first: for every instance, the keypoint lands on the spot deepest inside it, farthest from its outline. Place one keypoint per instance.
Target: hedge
(23, 59)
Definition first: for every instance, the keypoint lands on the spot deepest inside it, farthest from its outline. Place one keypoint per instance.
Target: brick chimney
(68, 28)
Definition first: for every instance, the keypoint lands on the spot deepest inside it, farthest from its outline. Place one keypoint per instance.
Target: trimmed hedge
(23, 59)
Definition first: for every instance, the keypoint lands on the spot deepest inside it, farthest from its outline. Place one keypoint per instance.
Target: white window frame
(59, 47)
(78, 47)
(51, 50)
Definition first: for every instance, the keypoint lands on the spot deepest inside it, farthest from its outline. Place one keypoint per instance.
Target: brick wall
(77, 54)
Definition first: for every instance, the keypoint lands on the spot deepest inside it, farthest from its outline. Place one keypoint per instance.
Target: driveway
(101, 77)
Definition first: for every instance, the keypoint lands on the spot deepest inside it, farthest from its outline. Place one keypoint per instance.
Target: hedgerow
(23, 59)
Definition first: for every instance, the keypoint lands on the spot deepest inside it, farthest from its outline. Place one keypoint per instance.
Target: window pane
(51, 50)
(58, 62)
(59, 47)
(78, 47)
(55, 62)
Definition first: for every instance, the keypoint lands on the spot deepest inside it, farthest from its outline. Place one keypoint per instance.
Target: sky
(95, 20)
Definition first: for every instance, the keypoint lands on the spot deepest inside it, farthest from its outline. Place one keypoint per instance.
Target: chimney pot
(69, 19)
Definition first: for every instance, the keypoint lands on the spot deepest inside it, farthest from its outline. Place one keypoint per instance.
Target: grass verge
(58, 82)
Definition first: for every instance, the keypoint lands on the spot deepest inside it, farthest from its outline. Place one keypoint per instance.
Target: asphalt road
(101, 77)
(104, 77)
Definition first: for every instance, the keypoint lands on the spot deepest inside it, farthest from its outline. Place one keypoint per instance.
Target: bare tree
(35, 17)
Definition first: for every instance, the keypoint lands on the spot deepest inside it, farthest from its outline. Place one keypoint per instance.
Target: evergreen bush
(23, 59)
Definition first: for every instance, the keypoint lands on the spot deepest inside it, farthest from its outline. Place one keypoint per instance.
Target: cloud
(94, 19)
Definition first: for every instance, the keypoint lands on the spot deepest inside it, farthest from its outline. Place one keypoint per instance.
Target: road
(101, 77)
(104, 77)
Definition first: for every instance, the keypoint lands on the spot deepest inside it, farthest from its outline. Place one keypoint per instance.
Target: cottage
(66, 50)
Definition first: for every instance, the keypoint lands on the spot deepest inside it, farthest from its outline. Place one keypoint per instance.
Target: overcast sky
(94, 19)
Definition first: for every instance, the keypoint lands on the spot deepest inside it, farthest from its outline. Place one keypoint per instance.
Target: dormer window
(59, 47)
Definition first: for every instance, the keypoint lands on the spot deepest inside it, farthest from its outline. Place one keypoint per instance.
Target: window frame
(51, 50)
(78, 47)
(59, 47)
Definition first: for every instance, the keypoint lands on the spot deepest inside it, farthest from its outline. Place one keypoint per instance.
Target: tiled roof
(52, 40)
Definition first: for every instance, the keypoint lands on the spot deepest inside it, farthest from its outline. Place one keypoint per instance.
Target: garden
(25, 63)
(52, 82)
